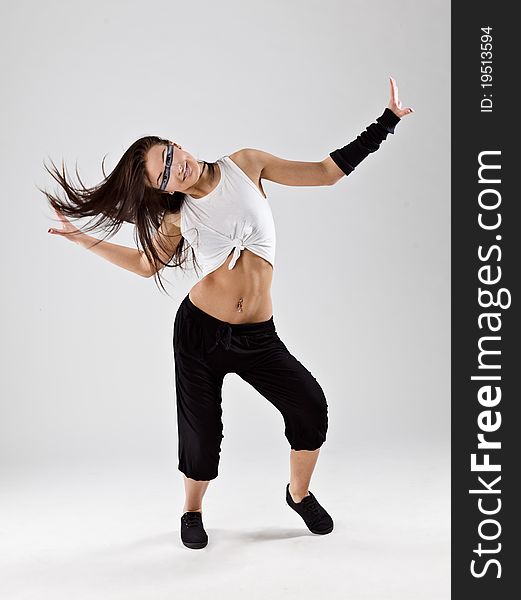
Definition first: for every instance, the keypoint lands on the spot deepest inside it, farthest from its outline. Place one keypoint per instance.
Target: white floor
(113, 533)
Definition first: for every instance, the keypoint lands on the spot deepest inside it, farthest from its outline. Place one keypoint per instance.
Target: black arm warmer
(348, 157)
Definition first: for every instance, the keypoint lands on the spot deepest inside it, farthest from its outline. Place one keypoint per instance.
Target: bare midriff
(238, 295)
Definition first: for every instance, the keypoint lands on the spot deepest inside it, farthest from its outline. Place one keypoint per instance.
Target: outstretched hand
(395, 104)
(69, 230)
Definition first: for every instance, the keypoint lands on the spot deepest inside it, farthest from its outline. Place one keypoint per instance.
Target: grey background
(361, 295)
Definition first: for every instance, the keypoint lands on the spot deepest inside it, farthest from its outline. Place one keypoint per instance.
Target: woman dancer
(225, 323)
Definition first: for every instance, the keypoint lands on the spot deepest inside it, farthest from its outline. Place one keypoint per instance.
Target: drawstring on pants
(223, 336)
(211, 332)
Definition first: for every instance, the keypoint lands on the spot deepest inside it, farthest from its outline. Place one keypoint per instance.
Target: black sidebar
(486, 271)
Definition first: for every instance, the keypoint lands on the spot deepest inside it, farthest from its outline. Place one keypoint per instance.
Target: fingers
(406, 111)
(61, 216)
(396, 101)
(67, 227)
(61, 232)
(394, 89)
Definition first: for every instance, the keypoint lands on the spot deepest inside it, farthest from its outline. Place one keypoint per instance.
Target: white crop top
(233, 216)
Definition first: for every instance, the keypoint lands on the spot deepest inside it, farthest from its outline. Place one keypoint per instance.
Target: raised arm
(287, 172)
(340, 162)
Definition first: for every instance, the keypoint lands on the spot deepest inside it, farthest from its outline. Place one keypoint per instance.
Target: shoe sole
(195, 545)
(322, 532)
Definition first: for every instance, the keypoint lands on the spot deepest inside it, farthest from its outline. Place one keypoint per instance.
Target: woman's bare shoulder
(244, 157)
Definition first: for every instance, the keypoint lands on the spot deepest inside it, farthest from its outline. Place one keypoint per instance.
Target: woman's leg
(302, 465)
(199, 409)
(194, 492)
(294, 391)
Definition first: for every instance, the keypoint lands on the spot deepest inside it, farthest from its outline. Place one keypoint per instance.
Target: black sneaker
(315, 516)
(193, 534)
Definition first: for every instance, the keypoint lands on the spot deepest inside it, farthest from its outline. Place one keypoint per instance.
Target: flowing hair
(126, 195)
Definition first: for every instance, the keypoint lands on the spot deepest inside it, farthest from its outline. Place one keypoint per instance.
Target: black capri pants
(205, 350)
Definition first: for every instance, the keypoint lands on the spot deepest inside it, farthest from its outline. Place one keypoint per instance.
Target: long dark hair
(126, 195)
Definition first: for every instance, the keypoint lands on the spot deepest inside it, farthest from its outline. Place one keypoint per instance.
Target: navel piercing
(239, 305)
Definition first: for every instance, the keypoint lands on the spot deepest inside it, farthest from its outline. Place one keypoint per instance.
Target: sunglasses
(168, 164)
